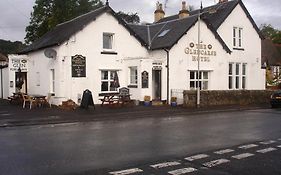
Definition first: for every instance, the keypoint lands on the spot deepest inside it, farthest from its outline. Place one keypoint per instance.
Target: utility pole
(198, 57)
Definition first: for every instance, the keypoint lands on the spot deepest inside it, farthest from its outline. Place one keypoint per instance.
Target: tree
(9, 47)
(48, 13)
(271, 33)
(129, 17)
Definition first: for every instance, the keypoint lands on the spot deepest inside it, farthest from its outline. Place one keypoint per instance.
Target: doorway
(21, 82)
(156, 85)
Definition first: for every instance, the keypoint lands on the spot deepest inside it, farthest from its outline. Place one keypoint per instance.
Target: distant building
(150, 59)
(271, 59)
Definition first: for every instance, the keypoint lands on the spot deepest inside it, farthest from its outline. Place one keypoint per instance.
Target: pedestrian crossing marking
(267, 142)
(182, 171)
(165, 164)
(225, 151)
(248, 146)
(266, 150)
(242, 156)
(215, 162)
(125, 172)
(196, 157)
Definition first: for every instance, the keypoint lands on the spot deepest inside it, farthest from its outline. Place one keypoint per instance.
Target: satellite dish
(50, 53)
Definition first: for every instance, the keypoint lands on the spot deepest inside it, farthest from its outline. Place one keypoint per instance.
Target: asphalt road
(115, 145)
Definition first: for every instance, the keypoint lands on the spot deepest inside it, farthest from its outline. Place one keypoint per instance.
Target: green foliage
(270, 32)
(9, 47)
(129, 17)
(48, 13)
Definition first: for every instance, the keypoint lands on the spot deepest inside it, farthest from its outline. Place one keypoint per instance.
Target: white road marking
(182, 171)
(266, 150)
(224, 151)
(248, 146)
(5, 114)
(279, 146)
(267, 142)
(196, 157)
(279, 139)
(242, 156)
(215, 162)
(125, 172)
(165, 164)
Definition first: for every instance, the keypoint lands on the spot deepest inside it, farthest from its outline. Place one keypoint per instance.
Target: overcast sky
(15, 14)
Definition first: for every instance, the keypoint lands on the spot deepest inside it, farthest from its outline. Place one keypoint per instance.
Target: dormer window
(237, 38)
(108, 41)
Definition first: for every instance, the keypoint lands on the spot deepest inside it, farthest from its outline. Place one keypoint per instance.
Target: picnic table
(115, 98)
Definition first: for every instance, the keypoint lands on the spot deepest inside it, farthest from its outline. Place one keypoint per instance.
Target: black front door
(156, 84)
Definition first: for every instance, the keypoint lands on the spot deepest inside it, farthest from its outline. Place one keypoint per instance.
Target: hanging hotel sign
(205, 51)
(78, 64)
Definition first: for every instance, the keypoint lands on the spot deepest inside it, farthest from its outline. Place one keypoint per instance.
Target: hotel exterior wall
(87, 42)
(181, 63)
(251, 43)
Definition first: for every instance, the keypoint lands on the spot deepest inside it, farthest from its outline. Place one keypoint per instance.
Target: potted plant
(146, 100)
(173, 101)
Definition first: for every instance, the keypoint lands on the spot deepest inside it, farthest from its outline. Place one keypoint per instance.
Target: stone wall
(229, 97)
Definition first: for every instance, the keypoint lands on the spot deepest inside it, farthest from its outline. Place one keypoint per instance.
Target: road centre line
(266, 150)
(242, 156)
(267, 142)
(224, 151)
(196, 157)
(215, 162)
(165, 164)
(125, 172)
(182, 171)
(248, 146)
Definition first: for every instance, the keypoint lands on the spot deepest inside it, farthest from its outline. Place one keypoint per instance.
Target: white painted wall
(251, 43)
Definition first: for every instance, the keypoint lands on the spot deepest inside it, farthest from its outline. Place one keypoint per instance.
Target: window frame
(237, 37)
(203, 82)
(111, 41)
(108, 80)
(133, 75)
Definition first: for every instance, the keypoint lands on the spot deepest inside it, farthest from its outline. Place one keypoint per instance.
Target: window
(163, 33)
(230, 76)
(52, 83)
(237, 37)
(107, 79)
(237, 76)
(203, 80)
(108, 41)
(243, 76)
(133, 75)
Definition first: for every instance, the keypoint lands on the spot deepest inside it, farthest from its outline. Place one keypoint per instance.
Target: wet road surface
(114, 145)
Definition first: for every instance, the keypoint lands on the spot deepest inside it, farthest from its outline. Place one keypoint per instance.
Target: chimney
(159, 12)
(183, 12)
(222, 1)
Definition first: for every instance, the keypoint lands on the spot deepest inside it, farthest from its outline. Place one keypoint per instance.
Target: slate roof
(147, 35)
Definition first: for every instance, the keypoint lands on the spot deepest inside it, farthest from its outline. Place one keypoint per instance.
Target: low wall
(228, 97)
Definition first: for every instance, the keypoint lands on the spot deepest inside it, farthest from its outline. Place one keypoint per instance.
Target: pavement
(12, 115)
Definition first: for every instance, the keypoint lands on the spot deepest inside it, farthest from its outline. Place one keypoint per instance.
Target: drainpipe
(2, 81)
(168, 74)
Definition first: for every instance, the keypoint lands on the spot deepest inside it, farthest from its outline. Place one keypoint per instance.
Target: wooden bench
(110, 99)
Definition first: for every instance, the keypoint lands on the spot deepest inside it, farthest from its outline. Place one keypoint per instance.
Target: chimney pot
(159, 12)
(183, 12)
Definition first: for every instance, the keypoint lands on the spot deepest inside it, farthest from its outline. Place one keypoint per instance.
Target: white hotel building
(150, 59)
